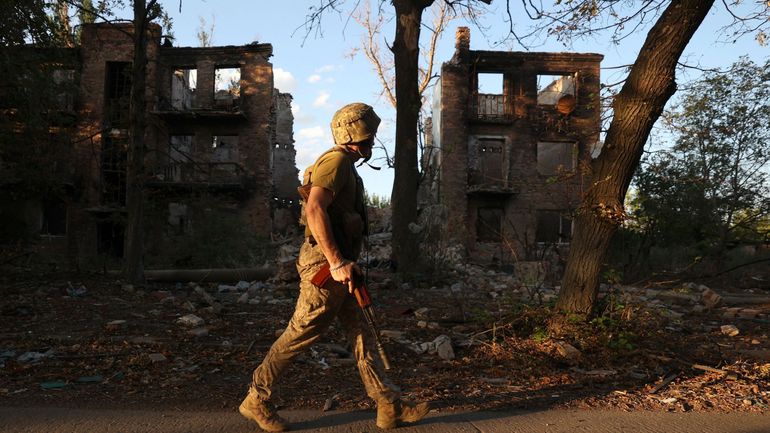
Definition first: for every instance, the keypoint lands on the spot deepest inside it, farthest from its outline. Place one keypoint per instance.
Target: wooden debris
(727, 374)
(329, 404)
(670, 378)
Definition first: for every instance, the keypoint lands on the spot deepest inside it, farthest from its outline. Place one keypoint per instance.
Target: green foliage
(29, 21)
(612, 276)
(540, 335)
(711, 186)
(376, 201)
(613, 334)
(622, 341)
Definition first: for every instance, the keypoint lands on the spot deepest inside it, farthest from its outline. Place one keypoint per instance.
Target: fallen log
(210, 275)
(752, 299)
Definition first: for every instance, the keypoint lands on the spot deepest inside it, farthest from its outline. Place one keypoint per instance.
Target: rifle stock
(324, 275)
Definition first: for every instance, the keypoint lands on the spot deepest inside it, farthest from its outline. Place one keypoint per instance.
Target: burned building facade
(218, 143)
(509, 132)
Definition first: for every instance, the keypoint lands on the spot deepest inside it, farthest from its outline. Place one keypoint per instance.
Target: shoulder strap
(307, 181)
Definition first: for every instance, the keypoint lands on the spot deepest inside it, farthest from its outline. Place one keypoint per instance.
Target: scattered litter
(32, 357)
(710, 298)
(444, 347)
(223, 288)
(76, 291)
(53, 385)
(730, 330)
(191, 320)
(421, 313)
(91, 379)
(116, 323)
(199, 332)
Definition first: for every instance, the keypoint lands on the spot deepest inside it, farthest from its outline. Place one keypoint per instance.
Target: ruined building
(509, 131)
(219, 152)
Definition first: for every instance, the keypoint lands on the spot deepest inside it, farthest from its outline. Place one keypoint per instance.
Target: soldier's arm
(320, 225)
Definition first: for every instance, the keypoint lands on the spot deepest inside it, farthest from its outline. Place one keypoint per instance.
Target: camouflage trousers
(316, 309)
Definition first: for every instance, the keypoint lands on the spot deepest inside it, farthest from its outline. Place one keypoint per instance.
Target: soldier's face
(364, 148)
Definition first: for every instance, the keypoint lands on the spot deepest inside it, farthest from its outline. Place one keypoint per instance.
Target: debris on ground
(471, 338)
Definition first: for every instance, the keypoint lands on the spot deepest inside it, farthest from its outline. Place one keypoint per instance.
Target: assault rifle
(323, 276)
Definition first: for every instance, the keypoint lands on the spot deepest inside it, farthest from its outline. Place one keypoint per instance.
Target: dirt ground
(90, 341)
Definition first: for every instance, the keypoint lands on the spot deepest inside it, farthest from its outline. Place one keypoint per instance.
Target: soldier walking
(334, 216)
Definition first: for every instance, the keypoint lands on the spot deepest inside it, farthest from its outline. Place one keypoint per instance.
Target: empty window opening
(183, 85)
(224, 142)
(180, 158)
(489, 224)
(490, 95)
(64, 89)
(114, 158)
(553, 226)
(117, 94)
(491, 159)
(180, 147)
(54, 218)
(490, 83)
(225, 155)
(556, 89)
(227, 87)
(554, 157)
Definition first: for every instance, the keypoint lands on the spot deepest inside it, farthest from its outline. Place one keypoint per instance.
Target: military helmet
(354, 123)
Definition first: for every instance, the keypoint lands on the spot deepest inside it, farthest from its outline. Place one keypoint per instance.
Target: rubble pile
(471, 338)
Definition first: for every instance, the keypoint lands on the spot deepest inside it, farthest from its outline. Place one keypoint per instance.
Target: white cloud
(310, 134)
(326, 68)
(322, 100)
(310, 143)
(284, 80)
(314, 78)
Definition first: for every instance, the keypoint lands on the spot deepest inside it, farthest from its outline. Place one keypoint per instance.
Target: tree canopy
(711, 185)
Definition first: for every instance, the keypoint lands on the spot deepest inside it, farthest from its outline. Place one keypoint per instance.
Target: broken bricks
(190, 320)
(567, 350)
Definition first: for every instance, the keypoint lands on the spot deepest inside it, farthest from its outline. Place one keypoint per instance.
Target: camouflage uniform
(316, 309)
(353, 127)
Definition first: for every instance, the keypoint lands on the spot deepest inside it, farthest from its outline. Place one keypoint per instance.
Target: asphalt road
(54, 420)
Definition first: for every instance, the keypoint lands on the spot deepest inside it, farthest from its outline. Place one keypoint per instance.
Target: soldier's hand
(345, 274)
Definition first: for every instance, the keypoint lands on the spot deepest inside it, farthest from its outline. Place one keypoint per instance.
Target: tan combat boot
(263, 413)
(391, 415)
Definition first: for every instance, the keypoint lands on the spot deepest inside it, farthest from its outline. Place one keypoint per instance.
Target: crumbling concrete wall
(285, 174)
(507, 159)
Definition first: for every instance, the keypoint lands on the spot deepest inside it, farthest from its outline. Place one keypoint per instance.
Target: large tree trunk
(406, 51)
(648, 87)
(133, 266)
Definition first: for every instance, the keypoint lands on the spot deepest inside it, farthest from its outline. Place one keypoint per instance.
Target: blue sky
(322, 76)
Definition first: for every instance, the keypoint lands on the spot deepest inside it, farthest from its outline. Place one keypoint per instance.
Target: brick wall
(520, 126)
